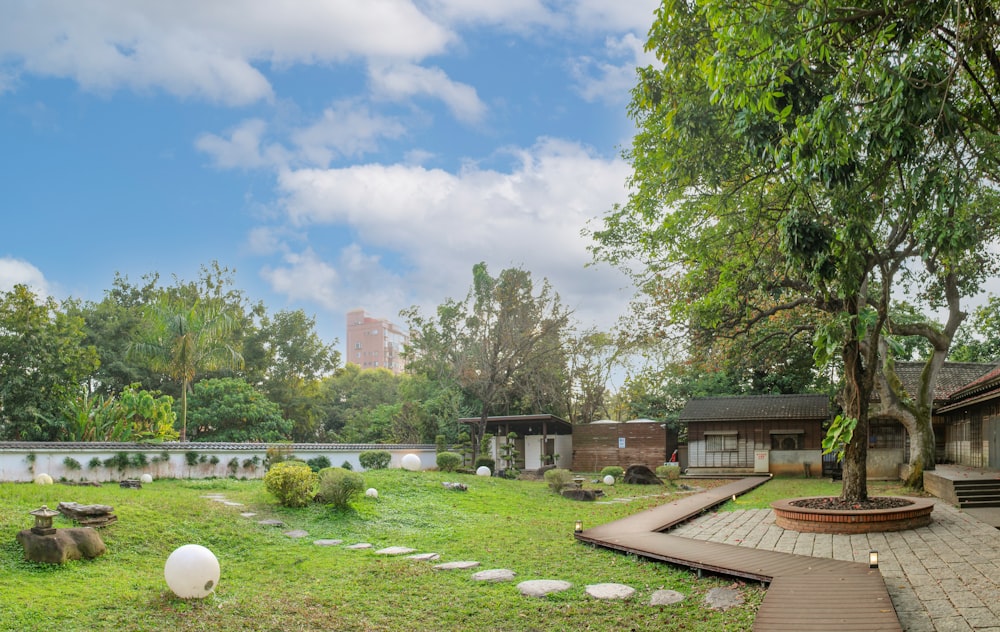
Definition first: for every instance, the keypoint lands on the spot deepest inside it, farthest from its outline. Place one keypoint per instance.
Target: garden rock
(327, 542)
(296, 533)
(455, 566)
(494, 575)
(130, 484)
(542, 587)
(458, 487)
(641, 475)
(610, 591)
(63, 545)
(88, 515)
(425, 557)
(579, 494)
(359, 546)
(723, 598)
(665, 598)
(271, 522)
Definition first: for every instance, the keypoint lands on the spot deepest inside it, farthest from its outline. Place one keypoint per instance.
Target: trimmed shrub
(668, 472)
(138, 460)
(276, 454)
(375, 459)
(191, 458)
(558, 479)
(338, 486)
(94, 463)
(612, 470)
(318, 463)
(233, 465)
(71, 464)
(487, 461)
(347, 466)
(291, 482)
(448, 461)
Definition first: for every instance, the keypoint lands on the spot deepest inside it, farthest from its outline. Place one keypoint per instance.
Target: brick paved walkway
(941, 578)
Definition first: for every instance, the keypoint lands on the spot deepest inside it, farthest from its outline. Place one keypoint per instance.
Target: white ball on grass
(371, 492)
(609, 480)
(192, 571)
(482, 470)
(43, 479)
(411, 462)
(146, 478)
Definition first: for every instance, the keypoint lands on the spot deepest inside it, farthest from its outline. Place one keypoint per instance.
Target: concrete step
(978, 491)
(986, 502)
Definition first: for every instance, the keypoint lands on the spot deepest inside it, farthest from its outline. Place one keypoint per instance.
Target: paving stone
(425, 557)
(542, 587)
(455, 566)
(230, 503)
(296, 533)
(271, 522)
(494, 575)
(610, 591)
(327, 542)
(359, 546)
(665, 598)
(723, 598)
(394, 550)
(951, 624)
(248, 514)
(978, 617)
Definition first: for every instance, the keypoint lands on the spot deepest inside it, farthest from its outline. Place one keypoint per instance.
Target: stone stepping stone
(214, 496)
(542, 587)
(327, 542)
(665, 598)
(271, 522)
(296, 533)
(394, 550)
(723, 598)
(248, 514)
(494, 575)
(610, 591)
(455, 566)
(230, 503)
(359, 546)
(425, 557)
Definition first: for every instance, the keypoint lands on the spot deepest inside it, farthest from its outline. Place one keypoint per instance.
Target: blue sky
(336, 154)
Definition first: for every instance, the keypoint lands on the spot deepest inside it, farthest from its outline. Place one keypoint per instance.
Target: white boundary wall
(22, 461)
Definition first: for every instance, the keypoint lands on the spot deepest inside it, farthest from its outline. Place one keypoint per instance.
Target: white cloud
(19, 272)
(205, 50)
(305, 277)
(399, 82)
(576, 15)
(608, 81)
(240, 150)
(346, 129)
(439, 223)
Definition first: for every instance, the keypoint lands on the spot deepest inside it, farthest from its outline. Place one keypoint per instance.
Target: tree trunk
(856, 398)
(184, 410)
(922, 454)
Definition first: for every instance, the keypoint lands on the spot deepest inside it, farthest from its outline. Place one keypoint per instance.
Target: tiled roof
(953, 376)
(756, 407)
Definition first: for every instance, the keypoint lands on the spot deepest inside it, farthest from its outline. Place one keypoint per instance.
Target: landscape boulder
(88, 515)
(641, 475)
(63, 545)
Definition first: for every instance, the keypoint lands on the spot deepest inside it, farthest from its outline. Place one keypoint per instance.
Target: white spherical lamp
(146, 478)
(482, 470)
(411, 462)
(43, 479)
(609, 480)
(192, 571)
(371, 492)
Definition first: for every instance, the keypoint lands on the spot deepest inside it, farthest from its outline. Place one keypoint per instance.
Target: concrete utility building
(374, 343)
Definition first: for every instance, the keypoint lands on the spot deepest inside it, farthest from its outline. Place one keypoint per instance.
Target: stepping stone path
(455, 566)
(394, 550)
(723, 598)
(665, 598)
(542, 587)
(716, 599)
(494, 575)
(610, 591)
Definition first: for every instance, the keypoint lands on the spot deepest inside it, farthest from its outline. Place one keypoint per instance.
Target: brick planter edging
(807, 520)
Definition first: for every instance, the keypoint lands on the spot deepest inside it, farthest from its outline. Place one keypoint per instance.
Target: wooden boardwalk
(805, 593)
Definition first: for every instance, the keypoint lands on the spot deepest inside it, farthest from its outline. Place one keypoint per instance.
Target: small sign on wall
(621, 442)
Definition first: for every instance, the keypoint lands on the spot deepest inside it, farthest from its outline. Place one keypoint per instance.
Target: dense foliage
(338, 486)
(293, 483)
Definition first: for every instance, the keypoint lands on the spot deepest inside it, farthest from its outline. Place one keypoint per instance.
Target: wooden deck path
(805, 593)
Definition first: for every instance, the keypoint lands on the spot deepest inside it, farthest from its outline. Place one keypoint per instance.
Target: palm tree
(182, 340)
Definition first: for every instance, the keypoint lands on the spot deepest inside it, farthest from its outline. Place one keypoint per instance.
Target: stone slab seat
(805, 593)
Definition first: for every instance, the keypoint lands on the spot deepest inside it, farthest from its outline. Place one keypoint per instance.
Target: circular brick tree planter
(788, 516)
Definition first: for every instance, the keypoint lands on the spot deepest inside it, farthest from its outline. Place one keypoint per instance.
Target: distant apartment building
(374, 343)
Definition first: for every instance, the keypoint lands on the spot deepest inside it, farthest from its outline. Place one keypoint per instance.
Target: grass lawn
(272, 582)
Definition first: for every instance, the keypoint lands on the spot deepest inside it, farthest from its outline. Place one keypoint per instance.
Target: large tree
(43, 364)
(496, 342)
(807, 156)
(183, 339)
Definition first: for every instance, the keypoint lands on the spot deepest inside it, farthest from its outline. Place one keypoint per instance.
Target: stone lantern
(43, 520)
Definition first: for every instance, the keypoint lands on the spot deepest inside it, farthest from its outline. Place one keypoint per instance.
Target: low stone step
(986, 502)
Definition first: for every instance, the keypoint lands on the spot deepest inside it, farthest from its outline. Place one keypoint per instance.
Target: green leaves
(840, 433)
